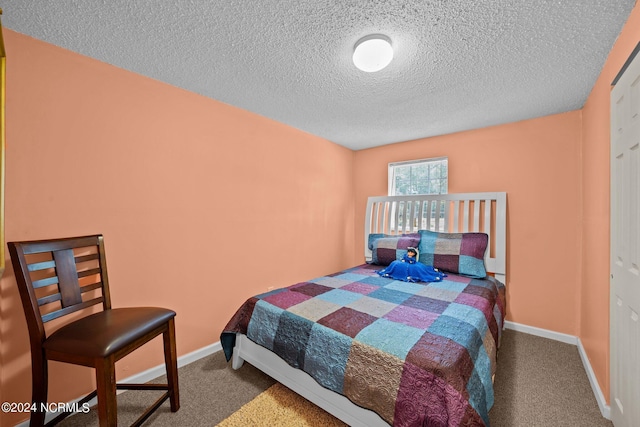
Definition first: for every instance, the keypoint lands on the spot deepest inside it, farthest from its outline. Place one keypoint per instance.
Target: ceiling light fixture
(372, 53)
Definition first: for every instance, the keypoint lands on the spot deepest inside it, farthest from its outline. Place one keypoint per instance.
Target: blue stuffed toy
(408, 269)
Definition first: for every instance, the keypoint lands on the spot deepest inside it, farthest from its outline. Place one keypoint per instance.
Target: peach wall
(198, 201)
(537, 162)
(594, 328)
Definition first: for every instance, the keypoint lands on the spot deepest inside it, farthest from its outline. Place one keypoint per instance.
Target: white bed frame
(452, 213)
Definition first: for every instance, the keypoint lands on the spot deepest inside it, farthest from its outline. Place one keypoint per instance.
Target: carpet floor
(279, 406)
(539, 382)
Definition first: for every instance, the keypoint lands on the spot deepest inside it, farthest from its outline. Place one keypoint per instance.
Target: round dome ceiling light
(372, 53)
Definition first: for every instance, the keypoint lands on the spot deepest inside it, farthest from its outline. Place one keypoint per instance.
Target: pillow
(385, 249)
(375, 236)
(459, 253)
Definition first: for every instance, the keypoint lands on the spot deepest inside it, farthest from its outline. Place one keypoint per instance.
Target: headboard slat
(476, 214)
(487, 214)
(438, 209)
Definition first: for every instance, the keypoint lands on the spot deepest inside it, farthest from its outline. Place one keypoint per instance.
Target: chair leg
(171, 364)
(39, 389)
(106, 388)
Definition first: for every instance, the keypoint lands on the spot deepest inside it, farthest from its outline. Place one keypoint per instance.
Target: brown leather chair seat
(107, 332)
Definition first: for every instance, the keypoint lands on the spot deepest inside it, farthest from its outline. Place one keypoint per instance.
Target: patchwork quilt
(415, 353)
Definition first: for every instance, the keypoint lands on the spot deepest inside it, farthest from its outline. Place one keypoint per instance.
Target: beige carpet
(539, 383)
(279, 406)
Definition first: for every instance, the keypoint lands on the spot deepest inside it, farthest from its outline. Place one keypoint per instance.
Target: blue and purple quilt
(415, 353)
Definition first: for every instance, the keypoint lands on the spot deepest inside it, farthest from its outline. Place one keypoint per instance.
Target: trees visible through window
(426, 176)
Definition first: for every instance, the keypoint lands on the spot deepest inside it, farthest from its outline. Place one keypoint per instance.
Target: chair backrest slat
(49, 299)
(41, 283)
(90, 287)
(87, 273)
(85, 258)
(37, 266)
(71, 309)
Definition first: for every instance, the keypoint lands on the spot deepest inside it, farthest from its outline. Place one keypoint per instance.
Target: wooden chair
(62, 276)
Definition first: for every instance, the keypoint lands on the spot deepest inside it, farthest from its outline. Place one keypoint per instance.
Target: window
(426, 176)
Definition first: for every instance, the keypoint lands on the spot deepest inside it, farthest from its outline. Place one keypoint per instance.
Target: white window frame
(392, 166)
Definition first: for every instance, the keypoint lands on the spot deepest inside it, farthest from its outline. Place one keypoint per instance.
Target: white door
(625, 248)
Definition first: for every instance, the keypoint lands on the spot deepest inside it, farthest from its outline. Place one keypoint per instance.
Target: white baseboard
(605, 409)
(156, 371)
(148, 375)
(544, 333)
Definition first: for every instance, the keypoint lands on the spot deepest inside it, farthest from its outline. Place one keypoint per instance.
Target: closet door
(625, 248)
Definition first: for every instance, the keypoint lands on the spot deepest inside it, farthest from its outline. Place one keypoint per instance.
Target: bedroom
(206, 177)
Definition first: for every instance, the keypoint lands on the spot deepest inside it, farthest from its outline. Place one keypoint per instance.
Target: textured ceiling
(458, 64)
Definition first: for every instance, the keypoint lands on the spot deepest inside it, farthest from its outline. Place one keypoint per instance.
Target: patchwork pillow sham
(458, 253)
(385, 248)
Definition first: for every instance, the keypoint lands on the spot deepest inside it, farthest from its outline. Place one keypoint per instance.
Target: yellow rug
(279, 406)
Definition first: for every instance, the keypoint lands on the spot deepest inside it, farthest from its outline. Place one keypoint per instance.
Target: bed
(374, 351)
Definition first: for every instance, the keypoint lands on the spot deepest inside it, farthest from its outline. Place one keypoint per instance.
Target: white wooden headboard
(449, 213)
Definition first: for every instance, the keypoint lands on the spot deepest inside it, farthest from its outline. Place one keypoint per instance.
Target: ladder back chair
(59, 277)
